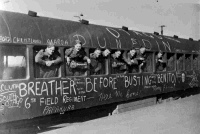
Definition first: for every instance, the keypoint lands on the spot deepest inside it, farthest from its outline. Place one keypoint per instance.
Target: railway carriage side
(24, 95)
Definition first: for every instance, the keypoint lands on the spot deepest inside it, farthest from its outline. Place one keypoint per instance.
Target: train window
(161, 62)
(76, 62)
(13, 62)
(117, 64)
(148, 65)
(180, 62)
(131, 61)
(195, 61)
(47, 63)
(170, 61)
(98, 62)
(188, 61)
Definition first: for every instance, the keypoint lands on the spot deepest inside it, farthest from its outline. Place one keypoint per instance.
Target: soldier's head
(132, 52)
(97, 52)
(78, 45)
(50, 48)
(106, 52)
(117, 53)
(160, 54)
(142, 50)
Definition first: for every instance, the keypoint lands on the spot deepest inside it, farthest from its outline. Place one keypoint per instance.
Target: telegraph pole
(162, 29)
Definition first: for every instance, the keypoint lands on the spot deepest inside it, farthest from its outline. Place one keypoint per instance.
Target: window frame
(182, 55)
(164, 57)
(106, 61)
(191, 56)
(174, 55)
(25, 68)
(35, 67)
(197, 55)
(152, 61)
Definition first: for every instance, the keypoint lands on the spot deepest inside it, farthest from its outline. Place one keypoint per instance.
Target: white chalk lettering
(49, 101)
(67, 99)
(5, 39)
(101, 46)
(90, 86)
(130, 80)
(51, 83)
(57, 109)
(78, 36)
(65, 88)
(44, 88)
(26, 40)
(58, 41)
(30, 87)
(22, 90)
(72, 86)
(118, 42)
(147, 44)
(37, 88)
(166, 45)
(59, 88)
(113, 32)
(104, 97)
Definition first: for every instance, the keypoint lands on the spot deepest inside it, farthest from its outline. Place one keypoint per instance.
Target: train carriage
(25, 96)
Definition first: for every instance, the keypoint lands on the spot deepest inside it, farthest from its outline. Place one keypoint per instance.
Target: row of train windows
(13, 63)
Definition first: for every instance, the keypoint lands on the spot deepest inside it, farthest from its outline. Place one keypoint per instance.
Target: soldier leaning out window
(170, 61)
(118, 65)
(48, 61)
(130, 59)
(77, 60)
(141, 57)
(188, 60)
(160, 62)
(180, 61)
(195, 62)
(98, 61)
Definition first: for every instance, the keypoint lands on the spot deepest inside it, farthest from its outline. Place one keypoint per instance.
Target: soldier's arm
(38, 58)
(125, 57)
(67, 54)
(83, 53)
(164, 60)
(134, 61)
(57, 60)
(85, 58)
(98, 67)
(68, 51)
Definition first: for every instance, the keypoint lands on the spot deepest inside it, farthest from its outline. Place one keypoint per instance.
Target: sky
(181, 17)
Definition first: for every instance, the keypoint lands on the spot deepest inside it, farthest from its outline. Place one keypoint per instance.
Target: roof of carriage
(24, 29)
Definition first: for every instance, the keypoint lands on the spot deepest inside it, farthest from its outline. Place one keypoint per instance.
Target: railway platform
(175, 117)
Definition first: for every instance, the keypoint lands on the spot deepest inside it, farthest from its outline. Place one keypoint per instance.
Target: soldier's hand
(141, 58)
(114, 64)
(48, 63)
(141, 64)
(88, 61)
(68, 60)
(96, 70)
(160, 61)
